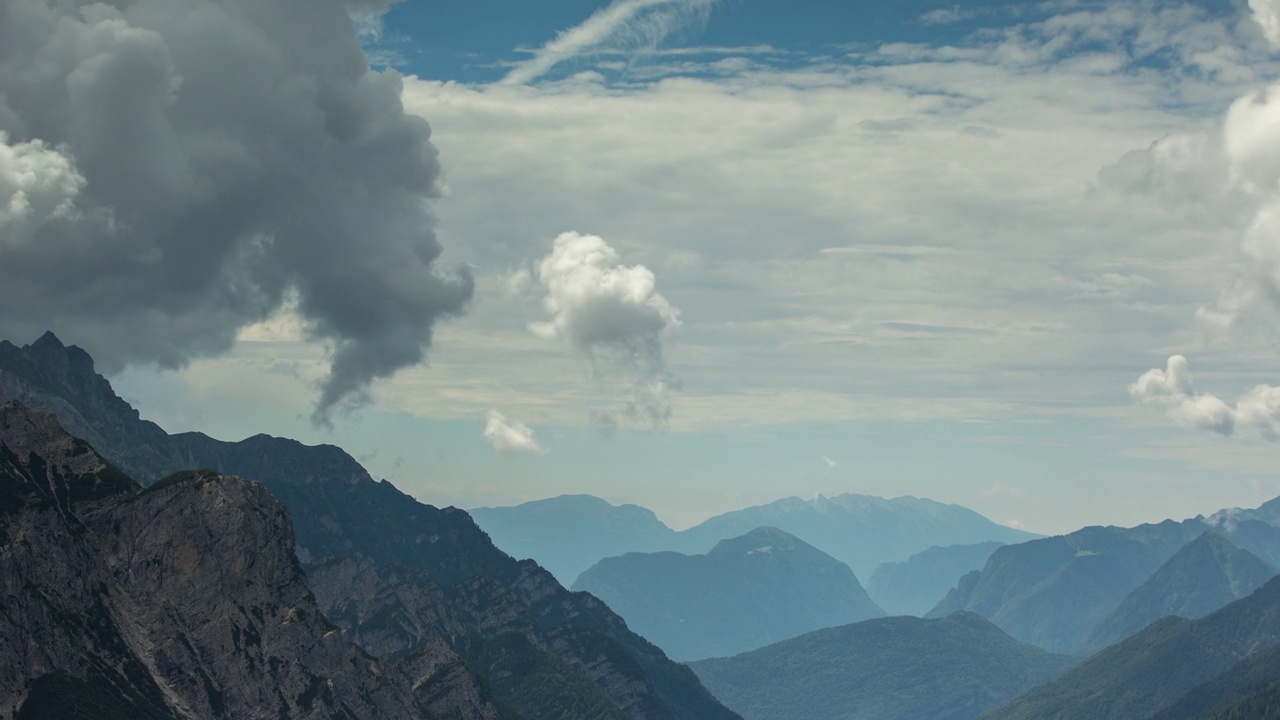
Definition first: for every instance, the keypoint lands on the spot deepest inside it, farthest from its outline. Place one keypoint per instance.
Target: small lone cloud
(509, 437)
(613, 316)
(830, 463)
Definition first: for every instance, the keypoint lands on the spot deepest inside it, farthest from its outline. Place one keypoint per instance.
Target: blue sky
(727, 252)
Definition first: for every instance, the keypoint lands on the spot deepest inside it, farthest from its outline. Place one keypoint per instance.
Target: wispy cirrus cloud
(622, 25)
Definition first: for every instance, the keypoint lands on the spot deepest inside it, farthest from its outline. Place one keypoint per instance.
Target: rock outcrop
(181, 600)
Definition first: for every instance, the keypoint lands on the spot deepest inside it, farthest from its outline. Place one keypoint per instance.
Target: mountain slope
(1137, 677)
(1248, 689)
(1051, 592)
(747, 592)
(1204, 575)
(341, 512)
(570, 533)
(915, 585)
(886, 669)
(182, 600)
(859, 530)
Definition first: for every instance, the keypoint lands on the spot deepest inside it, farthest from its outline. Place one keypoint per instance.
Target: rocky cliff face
(182, 600)
(395, 573)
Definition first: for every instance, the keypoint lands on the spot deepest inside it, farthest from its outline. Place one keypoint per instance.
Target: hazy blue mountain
(859, 530)
(915, 585)
(1052, 592)
(895, 668)
(570, 533)
(1142, 675)
(749, 591)
(1204, 575)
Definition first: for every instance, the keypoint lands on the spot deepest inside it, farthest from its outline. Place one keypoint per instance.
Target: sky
(690, 254)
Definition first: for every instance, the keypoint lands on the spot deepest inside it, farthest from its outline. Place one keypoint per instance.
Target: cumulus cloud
(1171, 390)
(509, 437)
(623, 24)
(173, 172)
(1232, 174)
(614, 317)
(1267, 14)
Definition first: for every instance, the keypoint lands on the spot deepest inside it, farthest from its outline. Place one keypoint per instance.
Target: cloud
(613, 316)
(509, 437)
(170, 173)
(1171, 389)
(622, 25)
(1267, 14)
(830, 463)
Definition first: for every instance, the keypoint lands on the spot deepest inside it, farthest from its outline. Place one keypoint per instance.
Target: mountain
(1140, 676)
(859, 530)
(913, 586)
(1204, 575)
(749, 591)
(570, 533)
(1247, 690)
(183, 600)
(887, 669)
(442, 580)
(1052, 592)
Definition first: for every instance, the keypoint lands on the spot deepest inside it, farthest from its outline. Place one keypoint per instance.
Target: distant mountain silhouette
(749, 591)
(1204, 575)
(893, 668)
(570, 533)
(915, 585)
(859, 530)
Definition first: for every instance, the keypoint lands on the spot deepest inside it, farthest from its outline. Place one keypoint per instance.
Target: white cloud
(613, 315)
(1171, 389)
(38, 186)
(1267, 14)
(508, 436)
(623, 24)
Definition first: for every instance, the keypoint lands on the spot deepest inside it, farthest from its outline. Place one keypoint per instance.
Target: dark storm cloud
(172, 171)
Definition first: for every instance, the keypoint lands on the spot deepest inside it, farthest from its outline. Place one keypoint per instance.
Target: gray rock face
(181, 600)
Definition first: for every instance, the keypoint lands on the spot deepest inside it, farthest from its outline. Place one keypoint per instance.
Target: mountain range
(155, 576)
(1206, 574)
(432, 580)
(573, 532)
(748, 592)
(1053, 592)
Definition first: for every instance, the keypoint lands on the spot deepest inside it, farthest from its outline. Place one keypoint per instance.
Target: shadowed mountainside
(445, 566)
(887, 669)
(183, 600)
